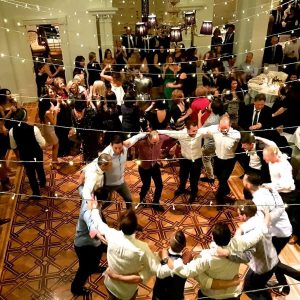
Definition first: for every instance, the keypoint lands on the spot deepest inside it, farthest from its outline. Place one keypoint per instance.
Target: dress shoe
(158, 208)
(283, 290)
(179, 192)
(82, 292)
(42, 185)
(4, 221)
(206, 179)
(192, 199)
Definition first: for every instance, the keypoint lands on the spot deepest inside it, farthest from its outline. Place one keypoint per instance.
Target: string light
(71, 163)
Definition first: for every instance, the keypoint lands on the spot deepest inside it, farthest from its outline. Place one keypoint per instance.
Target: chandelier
(173, 23)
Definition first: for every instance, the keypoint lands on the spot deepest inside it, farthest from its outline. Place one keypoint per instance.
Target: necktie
(273, 53)
(255, 119)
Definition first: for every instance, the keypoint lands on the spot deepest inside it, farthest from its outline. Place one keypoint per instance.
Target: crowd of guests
(151, 101)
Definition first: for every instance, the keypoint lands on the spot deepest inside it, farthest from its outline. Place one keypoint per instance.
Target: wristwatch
(164, 261)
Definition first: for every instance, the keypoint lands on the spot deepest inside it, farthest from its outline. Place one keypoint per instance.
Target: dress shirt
(148, 153)
(281, 175)
(264, 257)
(253, 116)
(291, 49)
(270, 199)
(88, 220)
(38, 136)
(208, 267)
(255, 162)
(249, 69)
(115, 176)
(225, 143)
(93, 179)
(296, 138)
(190, 146)
(211, 120)
(127, 255)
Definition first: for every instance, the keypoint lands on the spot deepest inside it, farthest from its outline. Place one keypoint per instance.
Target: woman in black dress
(79, 68)
(83, 118)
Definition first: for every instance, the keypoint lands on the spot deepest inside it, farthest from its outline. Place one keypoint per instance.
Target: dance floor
(40, 262)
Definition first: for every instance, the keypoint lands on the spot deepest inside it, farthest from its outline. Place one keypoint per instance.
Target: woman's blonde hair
(99, 88)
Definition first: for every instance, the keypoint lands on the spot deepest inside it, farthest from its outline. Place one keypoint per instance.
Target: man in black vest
(253, 160)
(171, 287)
(28, 142)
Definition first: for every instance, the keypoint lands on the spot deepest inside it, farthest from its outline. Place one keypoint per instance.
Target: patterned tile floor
(40, 262)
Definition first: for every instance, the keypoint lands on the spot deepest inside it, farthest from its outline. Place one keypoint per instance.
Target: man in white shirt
(263, 259)
(291, 53)
(248, 66)
(190, 140)
(280, 170)
(226, 140)
(127, 255)
(218, 276)
(93, 175)
(114, 178)
(281, 228)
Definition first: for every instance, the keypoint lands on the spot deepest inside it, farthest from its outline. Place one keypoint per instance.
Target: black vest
(169, 287)
(27, 144)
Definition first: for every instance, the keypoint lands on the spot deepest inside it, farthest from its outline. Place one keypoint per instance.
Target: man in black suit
(128, 41)
(273, 54)
(256, 116)
(278, 18)
(252, 160)
(227, 47)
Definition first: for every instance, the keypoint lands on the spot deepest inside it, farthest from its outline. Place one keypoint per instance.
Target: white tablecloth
(263, 84)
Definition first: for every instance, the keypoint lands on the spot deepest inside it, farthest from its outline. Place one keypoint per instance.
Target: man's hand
(187, 256)
(110, 273)
(237, 279)
(102, 238)
(220, 252)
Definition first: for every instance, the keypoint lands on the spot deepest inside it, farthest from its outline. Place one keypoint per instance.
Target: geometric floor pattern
(40, 262)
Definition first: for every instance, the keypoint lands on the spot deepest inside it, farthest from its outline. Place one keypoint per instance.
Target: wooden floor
(37, 260)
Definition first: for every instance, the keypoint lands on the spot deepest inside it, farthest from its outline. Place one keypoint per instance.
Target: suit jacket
(128, 43)
(278, 16)
(273, 58)
(246, 116)
(228, 43)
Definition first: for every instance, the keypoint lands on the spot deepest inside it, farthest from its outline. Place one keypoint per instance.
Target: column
(251, 29)
(104, 16)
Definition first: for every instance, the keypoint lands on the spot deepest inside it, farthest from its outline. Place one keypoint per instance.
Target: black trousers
(254, 281)
(223, 169)
(146, 175)
(202, 296)
(89, 258)
(293, 211)
(33, 171)
(190, 169)
(282, 269)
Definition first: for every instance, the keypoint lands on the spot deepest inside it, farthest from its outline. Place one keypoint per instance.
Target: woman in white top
(116, 84)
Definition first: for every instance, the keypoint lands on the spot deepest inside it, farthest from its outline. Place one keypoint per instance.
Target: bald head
(153, 137)
(224, 124)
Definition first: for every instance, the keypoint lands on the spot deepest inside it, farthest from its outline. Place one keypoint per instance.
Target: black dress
(40, 80)
(94, 71)
(89, 138)
(64, 119)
